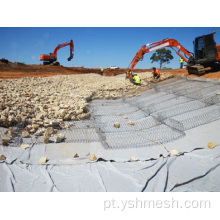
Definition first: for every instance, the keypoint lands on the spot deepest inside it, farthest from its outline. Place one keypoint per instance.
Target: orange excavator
(52, 57)
(206, 54)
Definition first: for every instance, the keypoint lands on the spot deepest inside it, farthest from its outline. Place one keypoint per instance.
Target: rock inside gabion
(25, 134)
(24, 146)
(117, 125)
(40, 100)
(5, 140)
(58, 138)
(131, 123)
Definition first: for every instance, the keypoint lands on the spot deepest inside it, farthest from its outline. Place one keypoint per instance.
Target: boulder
(46, 137)
(58, 138)
(5, 140)
(25, 134)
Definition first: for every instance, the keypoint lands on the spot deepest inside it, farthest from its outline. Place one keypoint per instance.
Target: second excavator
(52, 57)
(206, 55)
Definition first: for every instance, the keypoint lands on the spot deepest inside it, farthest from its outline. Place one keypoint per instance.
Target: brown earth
(19, 70)
(210, 75)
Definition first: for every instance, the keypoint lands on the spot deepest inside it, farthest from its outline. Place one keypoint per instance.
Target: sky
(94, 47)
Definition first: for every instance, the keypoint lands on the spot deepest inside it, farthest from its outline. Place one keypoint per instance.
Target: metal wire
(158, 116)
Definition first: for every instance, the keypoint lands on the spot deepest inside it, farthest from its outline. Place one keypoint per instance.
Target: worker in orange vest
(156, 73)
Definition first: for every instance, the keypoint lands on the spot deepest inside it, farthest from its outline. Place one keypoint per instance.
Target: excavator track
(196, 69)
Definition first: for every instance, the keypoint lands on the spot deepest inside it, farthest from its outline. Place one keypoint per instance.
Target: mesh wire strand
(195, 118)
(160, 115)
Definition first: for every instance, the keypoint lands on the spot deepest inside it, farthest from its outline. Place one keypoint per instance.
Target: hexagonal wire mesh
(158, 116)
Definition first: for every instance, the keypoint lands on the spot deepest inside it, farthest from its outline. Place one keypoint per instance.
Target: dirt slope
(19, 70)
(213, 75)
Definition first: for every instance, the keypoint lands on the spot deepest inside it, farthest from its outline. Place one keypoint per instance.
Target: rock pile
(47, 102)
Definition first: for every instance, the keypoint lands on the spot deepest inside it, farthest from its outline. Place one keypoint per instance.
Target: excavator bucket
(70, 58)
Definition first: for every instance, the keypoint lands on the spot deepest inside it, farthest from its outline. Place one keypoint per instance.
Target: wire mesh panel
(87, 123)
(145, 94)
(195, 118)
(114, 110)
(179, 109)
(144, 104)
(156, 135)
(81, 135)
(168, 86)
(33, 139)
(100, 103)
(140, 124)
(115, 118)
(159, 115)
(146, 98)
(214, 99)
(167, 104)
(187, 87)
(205, 92)
(125, 140)
(71, 135)
(12, 134)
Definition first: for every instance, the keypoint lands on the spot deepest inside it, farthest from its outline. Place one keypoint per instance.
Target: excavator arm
(155, 46)
(52, 57)
(64, 45)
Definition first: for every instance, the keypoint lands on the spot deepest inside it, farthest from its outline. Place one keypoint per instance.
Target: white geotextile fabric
(195, 169)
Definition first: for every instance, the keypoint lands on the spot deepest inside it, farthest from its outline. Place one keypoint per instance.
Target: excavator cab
(206, 55)
(205, 49)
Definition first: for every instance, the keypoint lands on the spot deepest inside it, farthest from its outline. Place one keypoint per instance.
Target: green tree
(162, 56)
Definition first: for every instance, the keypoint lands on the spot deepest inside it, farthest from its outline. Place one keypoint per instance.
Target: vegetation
(162, 56)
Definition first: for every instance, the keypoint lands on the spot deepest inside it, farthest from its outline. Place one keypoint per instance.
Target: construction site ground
(167, 139)
(18, 70)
